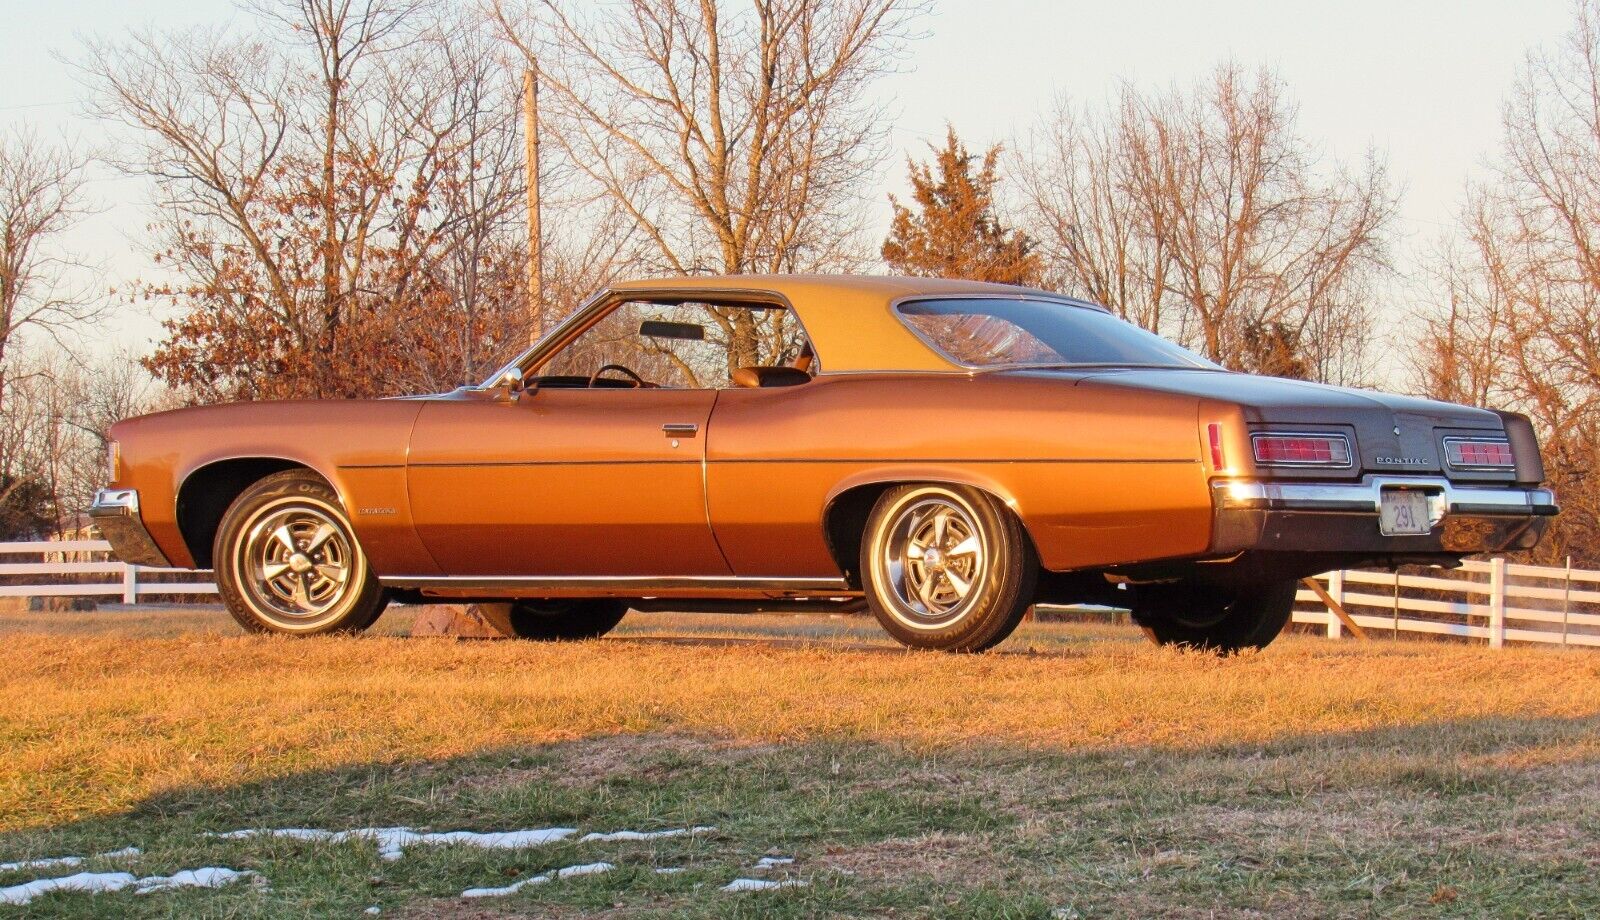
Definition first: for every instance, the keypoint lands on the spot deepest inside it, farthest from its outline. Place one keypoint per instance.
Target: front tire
(1198, 617)
(566, 620)
(947, 568)
(287, 560)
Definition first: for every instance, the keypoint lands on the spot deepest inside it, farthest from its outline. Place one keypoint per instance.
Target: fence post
(1396, 631)
(130, 583)
(1497, 602)
(1566, 604)
(1336, 591)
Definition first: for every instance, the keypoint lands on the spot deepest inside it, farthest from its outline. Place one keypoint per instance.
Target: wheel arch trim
(198, 543)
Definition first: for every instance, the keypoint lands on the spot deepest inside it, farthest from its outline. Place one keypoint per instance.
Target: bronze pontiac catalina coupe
(950, 452)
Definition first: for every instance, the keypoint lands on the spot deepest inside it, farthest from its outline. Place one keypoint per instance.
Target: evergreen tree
(952, 230)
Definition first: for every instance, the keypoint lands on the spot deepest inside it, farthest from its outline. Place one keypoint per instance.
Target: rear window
(1008, 332)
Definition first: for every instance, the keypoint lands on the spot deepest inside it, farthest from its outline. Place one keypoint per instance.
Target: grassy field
(1075, 772)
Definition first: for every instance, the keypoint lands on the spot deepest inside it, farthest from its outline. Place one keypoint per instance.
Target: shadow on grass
(1491, 817)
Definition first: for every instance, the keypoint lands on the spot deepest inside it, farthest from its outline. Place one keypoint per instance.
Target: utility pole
(530, 118)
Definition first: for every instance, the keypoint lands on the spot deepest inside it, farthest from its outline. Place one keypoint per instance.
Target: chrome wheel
(934, 559)
(298, 562)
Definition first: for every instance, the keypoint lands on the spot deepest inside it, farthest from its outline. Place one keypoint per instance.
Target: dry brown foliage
(338, 197)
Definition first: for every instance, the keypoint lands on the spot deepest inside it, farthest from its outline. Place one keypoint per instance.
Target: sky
(1422, 83)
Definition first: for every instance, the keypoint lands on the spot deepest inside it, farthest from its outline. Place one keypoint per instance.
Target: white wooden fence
(1495, 600)
(91, 558)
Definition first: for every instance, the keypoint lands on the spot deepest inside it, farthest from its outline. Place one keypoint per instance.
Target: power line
(36, 105)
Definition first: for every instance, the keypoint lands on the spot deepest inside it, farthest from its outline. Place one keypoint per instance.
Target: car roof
(849, 318)
(895, 286)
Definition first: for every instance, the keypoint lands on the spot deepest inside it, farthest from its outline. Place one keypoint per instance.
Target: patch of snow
(670, 870)
(83, 881)
(293, 833)
(65, 862)
(763, 884)
(392, 841)
(567, 872)
(644, 835)
(116, 881)
(373, 911)
(767, 862)
(209, 877)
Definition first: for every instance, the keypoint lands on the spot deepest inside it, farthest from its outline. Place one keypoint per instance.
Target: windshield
(1009, 332)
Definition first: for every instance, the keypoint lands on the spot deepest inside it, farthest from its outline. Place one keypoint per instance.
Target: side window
(677, 345)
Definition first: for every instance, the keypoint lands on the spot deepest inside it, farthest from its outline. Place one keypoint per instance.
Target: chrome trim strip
(791, 460)
(1366, 496)
(445, 464)
(617, 582)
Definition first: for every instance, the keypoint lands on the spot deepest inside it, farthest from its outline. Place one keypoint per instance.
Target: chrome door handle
(680, 429)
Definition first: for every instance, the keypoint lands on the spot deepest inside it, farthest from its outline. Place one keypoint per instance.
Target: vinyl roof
(849, 318)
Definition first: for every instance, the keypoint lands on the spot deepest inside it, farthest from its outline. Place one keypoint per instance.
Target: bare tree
(53, 434)
(1518, 317)
(1205, 216)
(42, 287)
(330, 186)
(733, 139)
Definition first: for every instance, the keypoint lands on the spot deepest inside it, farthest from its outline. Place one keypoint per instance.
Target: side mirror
(507, 385)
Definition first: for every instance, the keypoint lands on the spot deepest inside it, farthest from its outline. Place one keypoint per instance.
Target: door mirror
(507, 385)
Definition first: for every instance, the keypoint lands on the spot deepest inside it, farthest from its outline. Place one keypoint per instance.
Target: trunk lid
(1394, 434)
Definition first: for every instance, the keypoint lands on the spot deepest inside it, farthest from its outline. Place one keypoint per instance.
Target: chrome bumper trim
(1444, 497)
(640, 586)
(116, 513)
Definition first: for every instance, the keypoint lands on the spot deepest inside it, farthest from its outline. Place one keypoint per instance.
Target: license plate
(1403, 512)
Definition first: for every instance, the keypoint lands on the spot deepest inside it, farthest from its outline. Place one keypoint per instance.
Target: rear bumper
(1343, 517)
(116, 513)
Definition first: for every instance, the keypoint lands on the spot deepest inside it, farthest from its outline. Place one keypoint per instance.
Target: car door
(565, 483)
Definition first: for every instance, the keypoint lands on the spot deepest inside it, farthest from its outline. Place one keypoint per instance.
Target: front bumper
(116, 513)
(1343, 517)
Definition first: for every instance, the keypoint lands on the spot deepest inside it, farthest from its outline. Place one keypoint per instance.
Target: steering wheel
(637, 380)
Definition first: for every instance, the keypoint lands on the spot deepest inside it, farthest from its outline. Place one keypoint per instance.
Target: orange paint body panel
(359, 446)
(565, 483)
(1097, 478)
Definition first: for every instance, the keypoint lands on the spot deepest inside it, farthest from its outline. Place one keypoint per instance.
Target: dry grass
(95, 723)
(1078, 767)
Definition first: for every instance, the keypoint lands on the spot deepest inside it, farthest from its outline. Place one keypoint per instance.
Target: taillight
(113, 461)
(1479, 454)
(1219, 457)
(1328, 450)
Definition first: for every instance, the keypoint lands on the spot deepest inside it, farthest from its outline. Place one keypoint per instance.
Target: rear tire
(1194, 616)
(566, 620)
(287, 560)
(947, 568)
